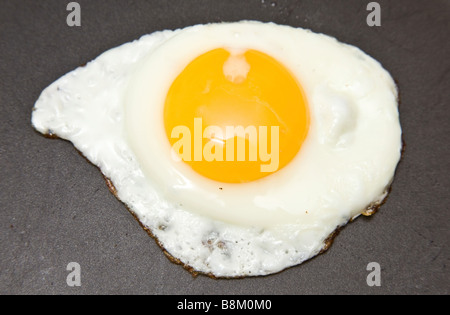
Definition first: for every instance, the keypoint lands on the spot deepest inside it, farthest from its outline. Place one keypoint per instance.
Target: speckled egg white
(346, 164)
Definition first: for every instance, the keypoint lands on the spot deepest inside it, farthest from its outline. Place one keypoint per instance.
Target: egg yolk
(236, 117)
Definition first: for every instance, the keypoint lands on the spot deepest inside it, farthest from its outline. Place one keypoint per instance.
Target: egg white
(346, 164)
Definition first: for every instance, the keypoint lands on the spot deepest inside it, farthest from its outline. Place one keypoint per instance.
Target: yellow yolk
(236, 118)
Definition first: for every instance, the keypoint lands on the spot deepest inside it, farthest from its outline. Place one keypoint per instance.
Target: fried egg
(241, 147)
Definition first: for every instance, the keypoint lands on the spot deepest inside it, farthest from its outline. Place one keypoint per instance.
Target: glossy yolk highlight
(218, 92)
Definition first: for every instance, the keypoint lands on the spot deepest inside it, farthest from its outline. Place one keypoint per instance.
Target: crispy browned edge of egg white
(369, 211)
